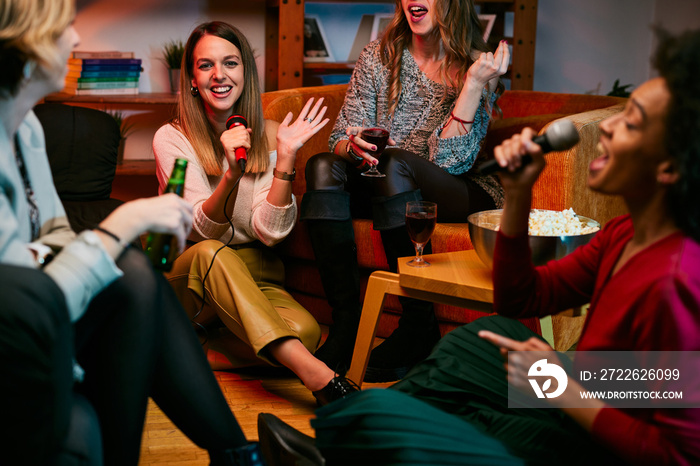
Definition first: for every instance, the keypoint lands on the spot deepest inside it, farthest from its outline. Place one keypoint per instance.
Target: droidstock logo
(542, 368)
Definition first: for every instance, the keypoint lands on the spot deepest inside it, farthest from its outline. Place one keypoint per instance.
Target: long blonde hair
(460, 32)
(192, 120)
(29, 31)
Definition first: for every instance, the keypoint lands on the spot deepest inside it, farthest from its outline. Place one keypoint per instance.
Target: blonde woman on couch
(239, 216)
(431, 81)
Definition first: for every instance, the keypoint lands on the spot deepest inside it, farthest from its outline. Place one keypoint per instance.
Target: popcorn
(552, 223)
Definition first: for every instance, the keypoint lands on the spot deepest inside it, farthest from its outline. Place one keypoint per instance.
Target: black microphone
(241, 155)
(560, 135)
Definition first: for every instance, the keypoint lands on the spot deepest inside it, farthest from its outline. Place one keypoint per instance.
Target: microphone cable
(211, 264)
(233, 120)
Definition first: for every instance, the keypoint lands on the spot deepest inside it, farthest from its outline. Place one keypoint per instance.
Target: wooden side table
(453, 278)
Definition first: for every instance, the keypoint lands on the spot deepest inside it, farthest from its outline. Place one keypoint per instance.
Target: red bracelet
(460, 121)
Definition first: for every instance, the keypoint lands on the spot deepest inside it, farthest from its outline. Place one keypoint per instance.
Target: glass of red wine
(421, 217)
(378, 136)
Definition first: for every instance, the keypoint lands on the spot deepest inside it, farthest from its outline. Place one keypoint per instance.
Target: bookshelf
(148, 98)
(522, 69)
(284, 42)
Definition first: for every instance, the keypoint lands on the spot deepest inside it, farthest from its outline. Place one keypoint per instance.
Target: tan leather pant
(244, 291)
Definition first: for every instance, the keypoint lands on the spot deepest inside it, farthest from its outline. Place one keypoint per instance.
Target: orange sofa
(561, 186)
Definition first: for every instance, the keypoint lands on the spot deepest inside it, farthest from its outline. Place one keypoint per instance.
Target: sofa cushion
(501, 129)
(516, 104)
(82, 145)
(447, 237)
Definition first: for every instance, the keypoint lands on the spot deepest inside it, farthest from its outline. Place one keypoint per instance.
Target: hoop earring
(194, 91)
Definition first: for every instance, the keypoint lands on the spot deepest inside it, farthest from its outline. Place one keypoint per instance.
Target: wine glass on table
(378, 136)
(421, 217)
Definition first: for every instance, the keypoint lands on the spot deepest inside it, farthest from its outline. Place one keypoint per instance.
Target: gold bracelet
(284, 175)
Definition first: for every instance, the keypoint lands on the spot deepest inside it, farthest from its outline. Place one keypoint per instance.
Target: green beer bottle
(161, 248)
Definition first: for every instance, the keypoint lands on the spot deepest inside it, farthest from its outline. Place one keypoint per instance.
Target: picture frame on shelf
(364, 32)
(487, 22)
(381, 21)
(316, 47)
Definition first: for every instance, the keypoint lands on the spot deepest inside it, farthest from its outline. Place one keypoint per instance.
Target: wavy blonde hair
(191, 118)
(29, 31)
(460, 31)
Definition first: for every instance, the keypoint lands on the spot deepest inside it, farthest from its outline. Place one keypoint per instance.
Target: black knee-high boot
(333, 242)
(418, 329)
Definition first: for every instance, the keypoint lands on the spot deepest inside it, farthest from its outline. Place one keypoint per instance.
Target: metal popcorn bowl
(483, 229)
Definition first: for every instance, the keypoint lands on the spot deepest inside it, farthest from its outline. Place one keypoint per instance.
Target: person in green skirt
(639, 274)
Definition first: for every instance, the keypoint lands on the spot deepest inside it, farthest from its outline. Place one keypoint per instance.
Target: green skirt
(450, 409)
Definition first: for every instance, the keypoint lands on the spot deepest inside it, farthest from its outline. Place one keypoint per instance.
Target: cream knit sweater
(253, 217)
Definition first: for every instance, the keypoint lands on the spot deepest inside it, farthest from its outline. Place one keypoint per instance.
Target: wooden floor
(248, 392)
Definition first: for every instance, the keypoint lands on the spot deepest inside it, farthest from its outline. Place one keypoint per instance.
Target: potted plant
(125, 129)
(620, 91)
(172, 55)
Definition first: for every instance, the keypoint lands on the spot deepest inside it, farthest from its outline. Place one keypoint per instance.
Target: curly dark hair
(677, 60)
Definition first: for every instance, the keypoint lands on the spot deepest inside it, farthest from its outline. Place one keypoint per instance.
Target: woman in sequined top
(431, 81)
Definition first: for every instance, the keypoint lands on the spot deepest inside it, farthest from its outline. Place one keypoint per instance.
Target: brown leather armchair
(82, 145)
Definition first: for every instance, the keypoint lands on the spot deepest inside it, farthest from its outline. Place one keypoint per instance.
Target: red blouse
(652, 303)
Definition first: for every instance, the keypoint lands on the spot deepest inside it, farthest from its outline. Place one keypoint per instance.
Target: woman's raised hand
(162, 214)
(490, 66)
(291, 137)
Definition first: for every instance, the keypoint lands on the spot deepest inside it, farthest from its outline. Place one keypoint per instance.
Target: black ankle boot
(247, 455)
(336, 257)
(283, 445)
(339, 387)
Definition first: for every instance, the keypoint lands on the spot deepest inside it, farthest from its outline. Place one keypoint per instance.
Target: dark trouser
(336, 193)
(136, 341)
(42, 421)
(452, 408)
(457, 196)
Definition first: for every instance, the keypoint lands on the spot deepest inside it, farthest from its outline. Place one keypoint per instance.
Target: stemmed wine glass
(421, 217)
(379, 136)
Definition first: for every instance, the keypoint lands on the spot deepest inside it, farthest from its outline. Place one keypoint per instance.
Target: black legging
(457, 196)
(136, 341)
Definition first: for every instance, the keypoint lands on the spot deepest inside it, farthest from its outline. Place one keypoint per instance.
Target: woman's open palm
(291, 137)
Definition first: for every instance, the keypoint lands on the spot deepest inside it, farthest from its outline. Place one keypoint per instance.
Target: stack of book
(96, 73)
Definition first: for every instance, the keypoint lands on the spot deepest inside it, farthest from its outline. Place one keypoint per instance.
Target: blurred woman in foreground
(132, 337)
